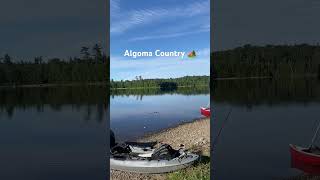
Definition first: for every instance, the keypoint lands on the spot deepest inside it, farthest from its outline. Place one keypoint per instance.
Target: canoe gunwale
(300, 149)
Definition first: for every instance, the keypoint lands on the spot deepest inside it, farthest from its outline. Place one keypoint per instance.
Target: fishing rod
(315, 135)
(215, 141)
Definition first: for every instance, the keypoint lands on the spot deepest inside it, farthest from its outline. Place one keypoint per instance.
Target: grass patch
(199, 171)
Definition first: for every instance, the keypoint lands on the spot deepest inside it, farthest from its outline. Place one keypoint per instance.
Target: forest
(91, 66)
(275, 61)
(163, 84)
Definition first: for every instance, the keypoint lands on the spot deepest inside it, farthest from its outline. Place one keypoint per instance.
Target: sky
(167, 25)
(51, 28)
(262, 22)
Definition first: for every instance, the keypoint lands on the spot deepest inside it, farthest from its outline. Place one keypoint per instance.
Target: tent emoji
(192, 54)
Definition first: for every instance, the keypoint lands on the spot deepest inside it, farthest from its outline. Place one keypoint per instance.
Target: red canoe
(305, 159)
(205, 111)
(305, 155)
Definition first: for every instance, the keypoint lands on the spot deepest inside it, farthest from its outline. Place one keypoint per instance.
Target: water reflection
(91, 99)
(134, 113)
(140, 93)
(267, 116)
(53, 132)
(252, 92)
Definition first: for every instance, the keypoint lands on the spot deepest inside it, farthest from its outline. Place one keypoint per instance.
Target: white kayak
(146, 159)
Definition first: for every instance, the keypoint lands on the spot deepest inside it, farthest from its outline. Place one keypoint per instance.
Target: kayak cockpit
(145, 151)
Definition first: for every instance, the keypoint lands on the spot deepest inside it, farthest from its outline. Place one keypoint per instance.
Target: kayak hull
(153, 166)
(205, 111)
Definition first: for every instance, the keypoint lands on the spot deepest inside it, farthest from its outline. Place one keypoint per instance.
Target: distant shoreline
(240, 78)
(54, 85)
(153, 87)
(267, 77)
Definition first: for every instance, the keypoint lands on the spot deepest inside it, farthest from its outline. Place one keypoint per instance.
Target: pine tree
(7, 59)
(85, 53)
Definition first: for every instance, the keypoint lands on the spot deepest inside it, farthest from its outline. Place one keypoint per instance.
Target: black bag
(121, 149)
(165, 152)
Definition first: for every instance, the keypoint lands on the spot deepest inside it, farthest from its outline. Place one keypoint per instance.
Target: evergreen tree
(85, 53)
(7, 59)
(97, 53)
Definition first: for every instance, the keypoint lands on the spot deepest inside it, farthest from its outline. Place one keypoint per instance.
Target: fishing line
(315, 135)
(215, 141)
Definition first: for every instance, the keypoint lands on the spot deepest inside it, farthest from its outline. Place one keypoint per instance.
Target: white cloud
(115, 8)
(131, 19)
(182, 30)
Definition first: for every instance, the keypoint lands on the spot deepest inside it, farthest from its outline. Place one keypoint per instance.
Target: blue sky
(167, 25)
(265, 22)
(49, 28)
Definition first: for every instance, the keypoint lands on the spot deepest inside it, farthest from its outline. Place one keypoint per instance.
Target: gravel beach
(195, 136)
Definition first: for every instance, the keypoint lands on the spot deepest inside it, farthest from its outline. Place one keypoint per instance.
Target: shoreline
(267, 77)
(54, 85)
(242, 78)
(156, 87)
(194, 135)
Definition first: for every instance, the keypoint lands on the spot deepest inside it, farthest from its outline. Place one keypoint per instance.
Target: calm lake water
(266, 117)
(53, 133)
(59, 132)
(132, 115)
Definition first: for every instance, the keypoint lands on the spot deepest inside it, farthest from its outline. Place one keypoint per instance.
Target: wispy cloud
(115, 8)
(134, 18)
(171, 35)
(170, 22)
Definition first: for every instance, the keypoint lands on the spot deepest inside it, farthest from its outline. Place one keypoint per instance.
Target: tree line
(270, 60)
(91, 66)
(163, 84)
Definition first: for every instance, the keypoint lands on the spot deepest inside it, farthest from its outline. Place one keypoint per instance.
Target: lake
(135, 113)
(59, 132)
(267, 115)
(53, 133)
